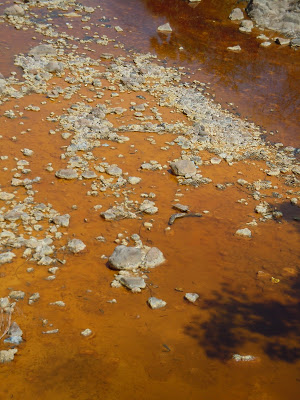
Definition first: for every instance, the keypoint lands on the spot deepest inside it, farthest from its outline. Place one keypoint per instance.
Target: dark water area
(261, 84)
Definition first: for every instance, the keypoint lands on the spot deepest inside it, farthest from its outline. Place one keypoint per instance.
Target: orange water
(184, 350)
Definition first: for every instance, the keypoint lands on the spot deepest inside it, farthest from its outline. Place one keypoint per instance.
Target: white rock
(127, 258)
(7, 355)
(234, 48)
(192, 297)
(165, 28)
(134, 180)
(86, 332)
(156, 303)
(236, 14)
(6, 257)
(244, 232)
(76, 245)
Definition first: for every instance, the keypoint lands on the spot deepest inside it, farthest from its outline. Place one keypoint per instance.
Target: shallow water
(184, 350)
(263, 84)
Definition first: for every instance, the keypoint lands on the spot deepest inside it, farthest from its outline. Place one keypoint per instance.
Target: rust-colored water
(184, 350)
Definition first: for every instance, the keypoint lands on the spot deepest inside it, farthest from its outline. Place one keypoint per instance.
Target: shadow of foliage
(236, 320)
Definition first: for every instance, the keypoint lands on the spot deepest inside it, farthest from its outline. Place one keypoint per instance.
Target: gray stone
(236, 14)
(191, 297)
(86, 333)
(15, 10)
(42, 50)
(54, 66)
(58, 303)
(165, 28)
(295, 42)
(246, 26)
(278, 15)
(125, 258)
(33, 298)
(148, 207)
(282, 41)
(17, 295)
(133, 282)
(156, 303)
(234, 48)
(113, 170)
(89, 175)
(6, 196)
(183, 167)
(181, 207)
(76, 245)
(62, 220)
(244, 232)
(153, 258)
(7, 355)
(66, 174)
(134, 180)
(6, 257)
(2, 85)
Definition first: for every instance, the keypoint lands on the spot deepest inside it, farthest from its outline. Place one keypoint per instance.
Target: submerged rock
(165, 28)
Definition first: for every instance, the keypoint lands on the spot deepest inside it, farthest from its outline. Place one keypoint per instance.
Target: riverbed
(94, 127)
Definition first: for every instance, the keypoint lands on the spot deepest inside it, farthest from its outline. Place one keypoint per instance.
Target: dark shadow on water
(235, 320)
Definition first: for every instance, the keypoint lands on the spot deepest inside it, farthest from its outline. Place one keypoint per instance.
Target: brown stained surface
(128, 355)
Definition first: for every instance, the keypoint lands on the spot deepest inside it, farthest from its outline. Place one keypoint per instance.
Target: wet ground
(183, 350)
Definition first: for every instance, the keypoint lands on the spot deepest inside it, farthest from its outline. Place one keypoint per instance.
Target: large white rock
(183, 167)
(76, 245)
(124, 257)
(165, 28)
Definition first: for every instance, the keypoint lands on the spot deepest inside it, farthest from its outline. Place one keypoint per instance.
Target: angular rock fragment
(153, 258)
(7, 355)
(133, 282)
(76, 245)
(62, 220)
(236, 14)
(183, 167)
(86, 332)
(191, 297)
(66, 174)
(156, 303)
(113, 170)
(15, 10)
(134, 180)
(6, 257)
(244, 232)
(6, 196)
(17, 295)
(165, 28)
